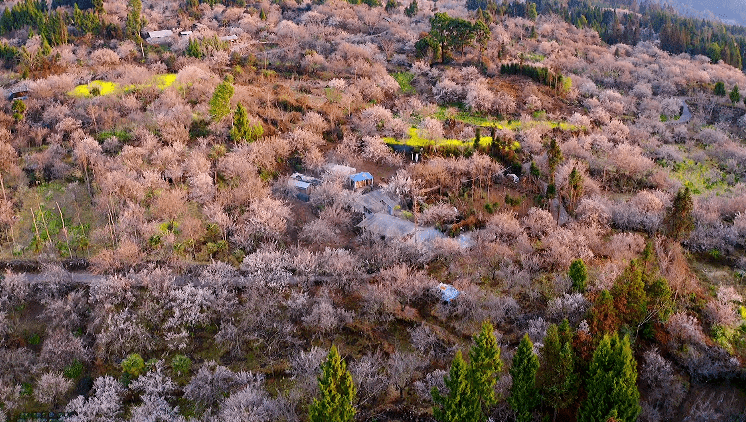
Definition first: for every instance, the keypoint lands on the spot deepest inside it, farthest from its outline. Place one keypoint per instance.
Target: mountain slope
(728, 11)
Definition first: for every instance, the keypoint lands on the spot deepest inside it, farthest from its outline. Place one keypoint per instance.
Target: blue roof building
(360, 180)
(448, 292)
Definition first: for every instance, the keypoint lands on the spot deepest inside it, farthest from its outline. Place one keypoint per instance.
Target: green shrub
(34, 339)
(181, 365)
(133, 365)
(513, 200)
(74, 370)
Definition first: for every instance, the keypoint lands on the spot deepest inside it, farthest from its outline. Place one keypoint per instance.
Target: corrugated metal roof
(299, 184)
(359, 177)
(388, 226)
(375, 201)
(160, 34)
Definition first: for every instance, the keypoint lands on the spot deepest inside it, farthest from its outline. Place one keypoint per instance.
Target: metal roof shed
(448, 292)
(361, 180)
(387, 226)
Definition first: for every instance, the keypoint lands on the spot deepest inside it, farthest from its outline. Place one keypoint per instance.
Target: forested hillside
(366, 211)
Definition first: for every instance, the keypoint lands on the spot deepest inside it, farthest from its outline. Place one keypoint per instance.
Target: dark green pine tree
(135, 22)
(578, 273)
(337, 392)
(194, 49)
(611, 383)
(556, 378)
(484, 365)
(531, 11)
(241, 130)
(679, 220)
(458, 405)
(524, 397)
(575, 183)
(554, 158)
(720, 89)
(630, 299)
(412, 9)
(735, 95)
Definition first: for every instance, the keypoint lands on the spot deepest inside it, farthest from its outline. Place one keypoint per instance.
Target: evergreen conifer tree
(630, 299)
(735, 95)
(194, 49)
(241, 130)
(604, 317)
(484, 365)
(221, 99)
(556, 378)
(554, 158)
(611, 383)
(412, 9)
(135, 22)
(531, 11)
(679, 221)
(337, 392)
(458, 405)
(578, 273)
(524, 396)
(720, 89)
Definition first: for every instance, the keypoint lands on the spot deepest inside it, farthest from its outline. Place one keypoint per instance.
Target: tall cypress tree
(458, 405)
(578, 273)
(679, 221)
(524, 396)
(220, 104)
(337, 392)
(630, 299)
(604, 317)
(135, 22)
(484, 365)
(241, 130)
(611, 383)
(556, 378)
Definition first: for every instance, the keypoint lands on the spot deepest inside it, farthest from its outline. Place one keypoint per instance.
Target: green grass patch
(700, 177)
(415, 140)
(99, 88)
(121, 134)
(533, 57)
(405, 81)
(480, 120)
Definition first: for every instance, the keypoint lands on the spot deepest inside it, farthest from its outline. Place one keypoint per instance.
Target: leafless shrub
(441, 213)
(666, 390)
(435, 379)
(213, 381)
(51, 387)
(104, 402)
(325, 317)
(369, 376)
(61, 348)
(571, 306)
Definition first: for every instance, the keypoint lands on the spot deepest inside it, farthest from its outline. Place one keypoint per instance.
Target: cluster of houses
(381, 213)
(165, 36)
